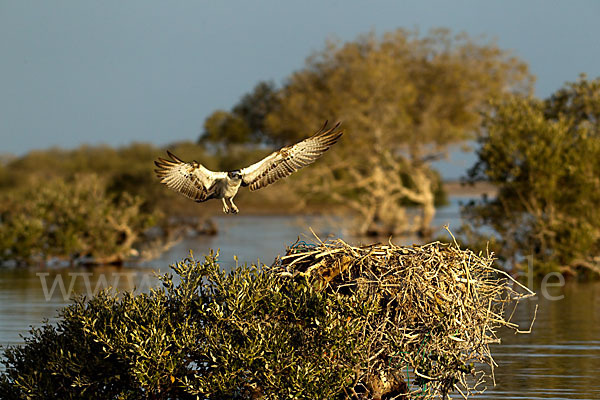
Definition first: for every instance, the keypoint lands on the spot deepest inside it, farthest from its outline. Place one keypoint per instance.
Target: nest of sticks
(441, 308)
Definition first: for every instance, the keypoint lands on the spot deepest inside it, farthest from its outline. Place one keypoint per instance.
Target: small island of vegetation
(325, 321)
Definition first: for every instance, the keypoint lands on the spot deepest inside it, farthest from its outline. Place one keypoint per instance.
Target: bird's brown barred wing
(284, 162)
(191, 179)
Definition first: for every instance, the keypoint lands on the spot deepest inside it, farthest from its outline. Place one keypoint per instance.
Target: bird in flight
(198, 183)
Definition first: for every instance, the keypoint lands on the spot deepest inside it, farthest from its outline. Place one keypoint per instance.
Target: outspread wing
(289, 159)
(190, 179)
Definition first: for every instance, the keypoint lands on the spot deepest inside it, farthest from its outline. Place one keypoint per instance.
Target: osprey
(198, 183)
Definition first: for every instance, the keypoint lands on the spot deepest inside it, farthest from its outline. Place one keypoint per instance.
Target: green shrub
(326, 321)
(214, 335)
(69, 219)
(544, 157)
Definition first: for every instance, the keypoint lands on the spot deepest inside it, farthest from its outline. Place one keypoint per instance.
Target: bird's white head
(234, 174)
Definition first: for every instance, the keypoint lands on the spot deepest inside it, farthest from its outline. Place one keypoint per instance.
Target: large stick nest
(441, 307)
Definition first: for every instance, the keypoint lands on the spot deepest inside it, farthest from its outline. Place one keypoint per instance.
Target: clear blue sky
(113, 71)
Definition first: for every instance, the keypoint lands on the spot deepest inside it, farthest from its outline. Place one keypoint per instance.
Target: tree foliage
(222, 127)
(125, 169)
(544, 156)
(245, 123)
(254, 107)
(326, 321)
(69, 219)
(245, 334)
(404, 99)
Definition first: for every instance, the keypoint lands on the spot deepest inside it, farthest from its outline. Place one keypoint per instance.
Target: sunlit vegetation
(75, 219)
(544, 156)
(213, 335)
(94, 204)
(91, 204)
(127, 169)
(326, 322)
(404, 99)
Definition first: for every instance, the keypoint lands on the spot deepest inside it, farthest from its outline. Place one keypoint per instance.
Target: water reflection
(27, 296)
(560, 359)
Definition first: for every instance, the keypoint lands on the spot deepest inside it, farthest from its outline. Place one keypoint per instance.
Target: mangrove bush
(324, 322)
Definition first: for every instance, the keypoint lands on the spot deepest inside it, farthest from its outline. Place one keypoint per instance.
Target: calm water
(560, 359)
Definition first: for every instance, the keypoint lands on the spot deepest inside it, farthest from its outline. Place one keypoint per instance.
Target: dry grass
(441, 307)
